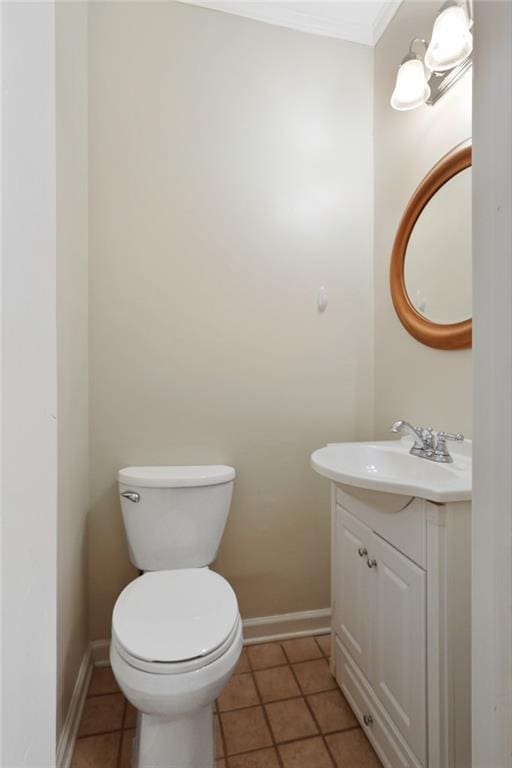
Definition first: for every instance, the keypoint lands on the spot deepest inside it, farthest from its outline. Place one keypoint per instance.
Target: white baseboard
(69, 731)
(263, 629)
(284, 626)
(100, 652)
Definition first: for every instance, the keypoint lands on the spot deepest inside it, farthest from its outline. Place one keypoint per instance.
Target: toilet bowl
(176, 630)
(176, 639)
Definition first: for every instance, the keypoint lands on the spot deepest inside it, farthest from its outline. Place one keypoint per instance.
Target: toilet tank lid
(176, 477)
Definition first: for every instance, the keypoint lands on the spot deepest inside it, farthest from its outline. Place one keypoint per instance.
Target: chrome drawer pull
(372, 563)
(362, 551)
(368, 719)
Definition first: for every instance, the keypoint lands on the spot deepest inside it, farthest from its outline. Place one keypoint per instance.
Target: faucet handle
(441, 452)
(459, 437)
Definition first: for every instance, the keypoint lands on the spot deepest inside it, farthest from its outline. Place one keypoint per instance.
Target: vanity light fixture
(452, 41)
(422, 79)
(412, 88)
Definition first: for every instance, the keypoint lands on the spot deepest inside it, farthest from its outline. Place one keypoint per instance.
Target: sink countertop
(387, 466)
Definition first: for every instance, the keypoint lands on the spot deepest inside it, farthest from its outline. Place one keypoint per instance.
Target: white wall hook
(323, 298)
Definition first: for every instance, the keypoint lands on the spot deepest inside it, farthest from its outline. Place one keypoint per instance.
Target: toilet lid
(172, 616)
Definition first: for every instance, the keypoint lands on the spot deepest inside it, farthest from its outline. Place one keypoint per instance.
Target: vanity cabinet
(401, 624)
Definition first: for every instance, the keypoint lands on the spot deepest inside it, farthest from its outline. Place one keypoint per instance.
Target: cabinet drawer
(388, 743)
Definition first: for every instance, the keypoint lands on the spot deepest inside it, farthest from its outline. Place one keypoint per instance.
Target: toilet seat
(176, 667)
(170, 622)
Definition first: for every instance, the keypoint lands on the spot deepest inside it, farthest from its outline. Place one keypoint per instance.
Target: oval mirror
(431, 259)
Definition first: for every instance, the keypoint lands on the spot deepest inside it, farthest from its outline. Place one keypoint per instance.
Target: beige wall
(412, 381)
(72, 343)
(230, 177)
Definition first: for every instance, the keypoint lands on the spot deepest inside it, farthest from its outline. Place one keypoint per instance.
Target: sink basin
(388, 466)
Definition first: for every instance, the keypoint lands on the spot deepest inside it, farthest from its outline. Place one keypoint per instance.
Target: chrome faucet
(428, 444)
(420, 445)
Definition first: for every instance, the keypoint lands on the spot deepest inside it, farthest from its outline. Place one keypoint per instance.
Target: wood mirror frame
(437, 335)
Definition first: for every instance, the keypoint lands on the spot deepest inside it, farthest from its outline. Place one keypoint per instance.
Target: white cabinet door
(352, 596)
(399, 641)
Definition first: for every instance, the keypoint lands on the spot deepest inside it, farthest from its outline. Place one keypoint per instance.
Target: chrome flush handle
(132, 496)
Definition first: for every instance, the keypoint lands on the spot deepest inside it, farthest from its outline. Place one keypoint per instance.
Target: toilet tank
(174, 517)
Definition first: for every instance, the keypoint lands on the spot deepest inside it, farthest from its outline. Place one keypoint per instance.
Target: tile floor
(281, 709)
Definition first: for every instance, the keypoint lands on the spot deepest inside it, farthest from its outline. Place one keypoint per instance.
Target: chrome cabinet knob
(362, 551)
(368, 719)
(132, 496)
(371, 563)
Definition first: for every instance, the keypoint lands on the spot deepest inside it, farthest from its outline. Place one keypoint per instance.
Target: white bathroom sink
(389, 467)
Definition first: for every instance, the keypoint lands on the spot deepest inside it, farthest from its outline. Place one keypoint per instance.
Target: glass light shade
(451, 42)
(411, 89)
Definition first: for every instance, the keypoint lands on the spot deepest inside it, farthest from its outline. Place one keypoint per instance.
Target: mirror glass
(437, 268)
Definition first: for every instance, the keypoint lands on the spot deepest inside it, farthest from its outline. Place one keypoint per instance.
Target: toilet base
(187, 742)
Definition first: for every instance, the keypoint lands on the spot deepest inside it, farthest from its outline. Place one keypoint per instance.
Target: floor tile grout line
(284, 701)
(301, 661)
(286, 742)
(120, 748)
(311, 693)
(264, 711)
(265, 669)
(222, 738)
(331, 755)
(321, 649)
(271, 701)
(310, 708)
(305, 697)
(279, 701)
(269, 725)
(104, 693)
(99, 733)
(343, 730)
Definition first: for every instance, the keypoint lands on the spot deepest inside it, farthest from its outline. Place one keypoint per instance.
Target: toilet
(176, 629)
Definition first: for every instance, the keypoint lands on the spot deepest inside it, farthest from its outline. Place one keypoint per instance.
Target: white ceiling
(360, 21)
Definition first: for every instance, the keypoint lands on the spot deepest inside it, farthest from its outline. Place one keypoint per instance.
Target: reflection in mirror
(437, 268)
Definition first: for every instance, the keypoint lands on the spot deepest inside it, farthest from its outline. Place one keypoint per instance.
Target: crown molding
(285, 15)
(383, 18)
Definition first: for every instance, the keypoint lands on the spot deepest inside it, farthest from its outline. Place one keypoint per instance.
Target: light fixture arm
(411, 53)
(418, 40)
